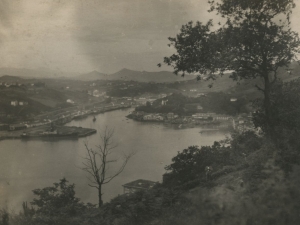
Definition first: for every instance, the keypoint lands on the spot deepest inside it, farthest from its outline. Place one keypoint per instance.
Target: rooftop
(142, 184)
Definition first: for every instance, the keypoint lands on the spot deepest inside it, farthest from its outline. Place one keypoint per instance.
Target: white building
(14, 103)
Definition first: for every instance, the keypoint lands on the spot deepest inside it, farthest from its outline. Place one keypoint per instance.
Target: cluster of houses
(212, 116)
(153, 117)
(8, 84)
(172, 116)
(209, 116)
(16, 103)
(141, 100)
(96, 93)
(14, 84)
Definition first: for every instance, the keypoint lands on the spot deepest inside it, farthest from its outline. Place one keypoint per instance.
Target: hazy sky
(104, 35)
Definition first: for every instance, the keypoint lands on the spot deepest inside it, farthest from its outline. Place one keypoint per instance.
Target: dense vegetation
(248, 176)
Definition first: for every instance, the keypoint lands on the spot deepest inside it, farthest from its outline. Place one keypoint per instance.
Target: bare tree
(97, 162)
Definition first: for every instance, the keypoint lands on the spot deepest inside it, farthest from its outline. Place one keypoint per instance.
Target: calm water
(27, 165)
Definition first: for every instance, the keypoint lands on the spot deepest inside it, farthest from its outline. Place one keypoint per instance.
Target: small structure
(23, 103)
(14, 103)
(137, 185)
(233, 99)
(170, 116)
(70, 101)
(208, 172)
(203, 115)
(222, 117)
(164, 102)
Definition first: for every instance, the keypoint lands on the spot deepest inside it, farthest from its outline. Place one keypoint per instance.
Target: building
(23, 103)
(137, 185)
(201, 95)
(171, 116)
(222, 117)
(14, 103)
(141, 101)
(153, 117)
(203, 115)
(148, 117)
(164, 102)
(70, 101)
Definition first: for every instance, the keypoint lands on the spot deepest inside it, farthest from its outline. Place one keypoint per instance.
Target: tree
(97, 161)
(285, 114)
(254, 42)
(190, 164)
(58, 205)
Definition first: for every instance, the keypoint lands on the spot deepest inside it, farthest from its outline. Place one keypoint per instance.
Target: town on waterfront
(161, 112)
(21, 119)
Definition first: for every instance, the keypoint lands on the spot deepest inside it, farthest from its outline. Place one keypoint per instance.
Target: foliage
(4, 217)
(254, 42)
(58, 205)
(190, 164)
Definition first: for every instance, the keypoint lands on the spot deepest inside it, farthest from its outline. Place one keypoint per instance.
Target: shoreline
(65, 132)
(183, 124)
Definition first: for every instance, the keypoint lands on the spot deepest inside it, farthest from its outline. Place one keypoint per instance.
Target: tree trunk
(100, 196)
(270, 128)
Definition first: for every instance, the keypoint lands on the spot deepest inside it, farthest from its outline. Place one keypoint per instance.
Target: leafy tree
(191, 162)
(4, 217)
(58, 205)
(254, 42)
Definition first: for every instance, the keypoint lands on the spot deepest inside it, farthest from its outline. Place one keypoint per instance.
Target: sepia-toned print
(153, 112)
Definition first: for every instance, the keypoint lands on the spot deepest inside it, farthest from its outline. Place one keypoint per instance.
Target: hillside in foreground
(249, 186)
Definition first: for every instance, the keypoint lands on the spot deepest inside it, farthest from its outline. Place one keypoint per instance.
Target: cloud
(83, 35)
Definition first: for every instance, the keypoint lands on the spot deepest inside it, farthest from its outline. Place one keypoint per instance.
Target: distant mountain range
(144, 76)
(34, 73)
(124, 74)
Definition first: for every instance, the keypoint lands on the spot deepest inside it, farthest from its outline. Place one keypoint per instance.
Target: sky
(80, 36)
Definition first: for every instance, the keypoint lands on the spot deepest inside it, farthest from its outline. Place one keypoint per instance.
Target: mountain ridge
(139, 76)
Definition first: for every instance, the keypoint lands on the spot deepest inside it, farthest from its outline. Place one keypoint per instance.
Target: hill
(139, 76)
(34, 73)
(8, 78)
(94, 75)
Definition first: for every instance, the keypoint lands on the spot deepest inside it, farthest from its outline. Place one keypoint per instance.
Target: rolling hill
(140, 76)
